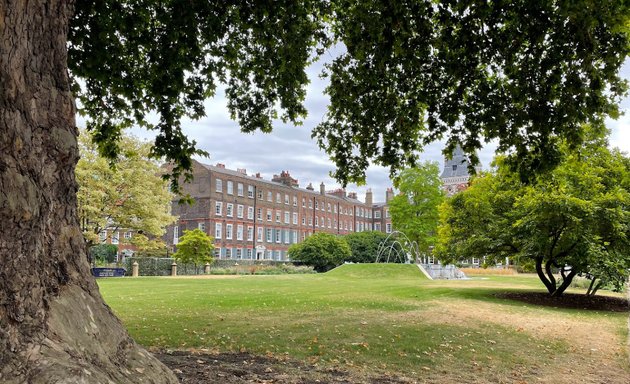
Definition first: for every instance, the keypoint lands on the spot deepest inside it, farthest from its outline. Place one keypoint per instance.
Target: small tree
(415, 210)
(194, 247)
(322, 250)
(365, 246)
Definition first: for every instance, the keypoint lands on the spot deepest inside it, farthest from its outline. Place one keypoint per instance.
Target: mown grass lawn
(386, 318)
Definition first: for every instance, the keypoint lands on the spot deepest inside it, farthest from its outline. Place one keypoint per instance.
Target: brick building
(253, 218)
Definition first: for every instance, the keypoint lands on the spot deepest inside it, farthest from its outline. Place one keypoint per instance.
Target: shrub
(365, 246)
(322, 250)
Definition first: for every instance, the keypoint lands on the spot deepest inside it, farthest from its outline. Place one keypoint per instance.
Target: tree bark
(54, 325)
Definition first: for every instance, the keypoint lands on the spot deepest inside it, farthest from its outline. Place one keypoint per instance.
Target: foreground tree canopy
(575, 220)
(130, 196)
(527, 73)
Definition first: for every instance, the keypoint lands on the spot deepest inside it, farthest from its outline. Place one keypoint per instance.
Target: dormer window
(454, 167)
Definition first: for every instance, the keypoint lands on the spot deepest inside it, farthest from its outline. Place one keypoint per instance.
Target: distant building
(253, 218)
(455, 176)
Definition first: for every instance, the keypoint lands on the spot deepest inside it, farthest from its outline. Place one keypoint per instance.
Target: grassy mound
(377, 271)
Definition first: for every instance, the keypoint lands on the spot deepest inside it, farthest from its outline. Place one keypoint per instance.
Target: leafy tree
(574, 221)
(104, 253)
(323, 251)
(365, 246)
(194, 247)
(415, 210)
(525, 72)
(131, 195)
(146, 247)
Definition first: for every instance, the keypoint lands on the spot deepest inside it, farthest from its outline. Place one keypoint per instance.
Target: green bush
(365, 247)
(323, 251)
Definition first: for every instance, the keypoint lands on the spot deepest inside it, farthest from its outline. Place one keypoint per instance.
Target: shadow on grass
(568, 301)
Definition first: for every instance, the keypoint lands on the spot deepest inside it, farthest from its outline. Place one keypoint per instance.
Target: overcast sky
(291, 148)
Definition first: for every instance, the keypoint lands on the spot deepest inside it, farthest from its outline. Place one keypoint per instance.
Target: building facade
(253, 218)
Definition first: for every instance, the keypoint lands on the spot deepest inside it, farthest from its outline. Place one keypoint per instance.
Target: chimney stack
(368, 197)
(310, 187)
(389, 194)
(322, 188)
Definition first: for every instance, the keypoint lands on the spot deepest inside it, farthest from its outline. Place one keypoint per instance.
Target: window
(316, 223)
(127, 235)
(329, 208)
(295, 218)
(287, 217)
(350, 212)
(295, 201)
(316, 205)
(377, 214)
(268, 234)
(260, 194)
(250, 233)
(175, 235)
(278, 198)
(228, 231)
(217, 252)
(350, 226)
(388, 227)
(277, 216)
(335, 223)
(286, 236)
(218, 229)
(239, 189)
(322, 223)
(269, 254)
(310, 204)
(201, 226)
(277, 235)
(303, 202)
(218, 185)
(294, 238)
(218, 208)
(329, 223)
(259, 234)
(249, 253)
(250, 213)
(228, 253)
(229, 210)
(239, 253)
(250, 191)
(269, 215)
(115, 237)
(269, 196)
(310, 221)
(230, 187)
(259, 214)
(239, 232)
(286, 199)
(335, 208)
(454, 167)
(239, 211)
(303, 220)
(377, 226)
(386, 212)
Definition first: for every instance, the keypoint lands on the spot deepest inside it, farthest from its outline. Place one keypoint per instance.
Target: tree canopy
(322, 250)
(195, 247)
(575, 220)
(415, 209)
(130, 196)
(527, 73)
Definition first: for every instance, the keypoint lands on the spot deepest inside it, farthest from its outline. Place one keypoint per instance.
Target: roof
(456, 166)
(214, 168)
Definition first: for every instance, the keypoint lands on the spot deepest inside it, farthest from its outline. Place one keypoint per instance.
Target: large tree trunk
(54, 325)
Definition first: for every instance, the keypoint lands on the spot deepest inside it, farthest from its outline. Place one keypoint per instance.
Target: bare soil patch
(231, 368)
(570, 300)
